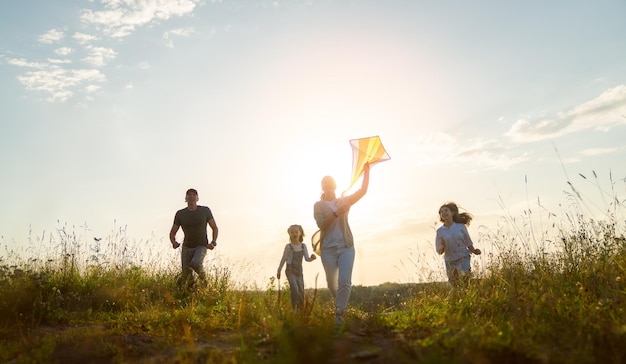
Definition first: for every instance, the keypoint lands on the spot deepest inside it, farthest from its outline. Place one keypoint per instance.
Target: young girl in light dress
(453, 240)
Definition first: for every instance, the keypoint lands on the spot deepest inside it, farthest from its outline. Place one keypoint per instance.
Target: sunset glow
(111, 110)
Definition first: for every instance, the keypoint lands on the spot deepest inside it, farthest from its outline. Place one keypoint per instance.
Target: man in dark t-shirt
(194, 219)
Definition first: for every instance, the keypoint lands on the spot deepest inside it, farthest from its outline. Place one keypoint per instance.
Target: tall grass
(552, 292)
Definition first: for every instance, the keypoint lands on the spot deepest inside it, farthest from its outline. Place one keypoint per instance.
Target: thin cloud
(432, 149)
(115, 19)
(83, 38)
(525, 130)
(598, 151)
(601, 113)
(51, 36)
(59, 61)
(92, 88)
(63, 51)
(442, 148)
(21, 62)
(52, 79)
(121, 18)
(181, 32)
(58, 83)
(99, 56)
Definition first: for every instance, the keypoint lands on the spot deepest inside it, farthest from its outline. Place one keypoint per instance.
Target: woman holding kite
(337, 243)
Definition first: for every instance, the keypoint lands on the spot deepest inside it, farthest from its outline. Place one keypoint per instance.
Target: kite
(366, 150)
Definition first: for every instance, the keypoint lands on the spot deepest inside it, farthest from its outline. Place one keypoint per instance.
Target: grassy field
(560, 305)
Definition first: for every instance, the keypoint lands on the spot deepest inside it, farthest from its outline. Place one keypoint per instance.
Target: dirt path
(98, 344)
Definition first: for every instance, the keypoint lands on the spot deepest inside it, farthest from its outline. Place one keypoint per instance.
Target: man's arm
(173, 232)
(214, 231)
(473, 250)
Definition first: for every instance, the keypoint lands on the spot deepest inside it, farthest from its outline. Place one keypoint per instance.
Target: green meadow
(541, 299)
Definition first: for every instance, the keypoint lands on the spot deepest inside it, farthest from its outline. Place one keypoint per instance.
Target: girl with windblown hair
(453, 240)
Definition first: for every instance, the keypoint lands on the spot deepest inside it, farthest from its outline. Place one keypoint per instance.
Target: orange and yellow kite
(366, 150)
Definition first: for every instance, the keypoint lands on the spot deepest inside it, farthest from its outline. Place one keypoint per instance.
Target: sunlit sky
(111, 109)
